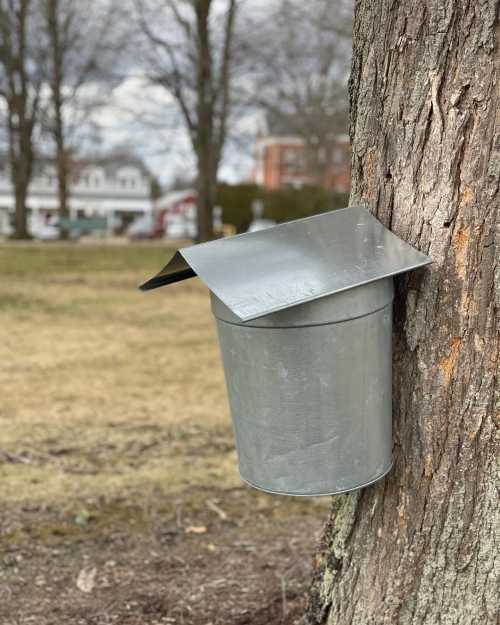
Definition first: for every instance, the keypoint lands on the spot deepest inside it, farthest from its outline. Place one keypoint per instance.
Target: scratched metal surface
(259, 273)
(310, 395)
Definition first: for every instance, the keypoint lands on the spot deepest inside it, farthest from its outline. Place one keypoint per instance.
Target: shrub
(280, 205)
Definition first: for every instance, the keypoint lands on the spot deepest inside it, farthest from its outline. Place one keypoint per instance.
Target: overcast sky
(145, 119)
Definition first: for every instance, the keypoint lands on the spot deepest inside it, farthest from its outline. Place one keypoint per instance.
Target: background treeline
(212, 68)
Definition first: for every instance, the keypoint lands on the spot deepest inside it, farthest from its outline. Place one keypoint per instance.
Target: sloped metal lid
(259, 273)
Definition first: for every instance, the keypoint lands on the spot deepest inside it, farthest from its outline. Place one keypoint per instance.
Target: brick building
(281, 160)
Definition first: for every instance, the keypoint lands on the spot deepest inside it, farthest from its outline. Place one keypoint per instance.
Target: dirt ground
(120, 500)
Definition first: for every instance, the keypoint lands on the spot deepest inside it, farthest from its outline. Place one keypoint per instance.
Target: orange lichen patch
(447, 364)
(467, 195)
(460, 245)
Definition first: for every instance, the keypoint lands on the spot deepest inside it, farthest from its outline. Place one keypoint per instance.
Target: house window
(338, 156)
(293, 160)
(289, 156)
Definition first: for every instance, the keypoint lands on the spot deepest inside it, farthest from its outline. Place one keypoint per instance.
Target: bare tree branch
(301, 56)
(196, 70)
(171, 80)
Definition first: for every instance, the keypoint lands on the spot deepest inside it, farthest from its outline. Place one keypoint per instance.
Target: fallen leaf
(83, 518)
(86, 580)
(196, 529)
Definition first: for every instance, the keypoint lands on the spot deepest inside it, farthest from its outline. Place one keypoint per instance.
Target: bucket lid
(258, 273)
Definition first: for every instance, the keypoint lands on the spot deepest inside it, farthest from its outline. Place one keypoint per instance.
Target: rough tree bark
(422, 546)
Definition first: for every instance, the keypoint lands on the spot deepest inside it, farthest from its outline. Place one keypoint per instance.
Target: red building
(281, 161)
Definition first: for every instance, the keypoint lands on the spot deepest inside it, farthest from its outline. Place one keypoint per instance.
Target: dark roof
(110, 162)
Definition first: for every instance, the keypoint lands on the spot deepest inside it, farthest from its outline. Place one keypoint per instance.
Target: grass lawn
(106, 388)
(115, 438)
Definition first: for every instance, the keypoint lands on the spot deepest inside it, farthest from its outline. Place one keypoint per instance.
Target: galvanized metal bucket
(310, 391)
(304, 315)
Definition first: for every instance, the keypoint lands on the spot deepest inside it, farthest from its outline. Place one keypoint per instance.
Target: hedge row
(280, 205)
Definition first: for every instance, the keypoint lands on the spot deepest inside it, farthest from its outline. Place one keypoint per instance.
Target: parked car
(6, 230)
(141, 228)
(144, 227)
(45, 229)
(261, 224)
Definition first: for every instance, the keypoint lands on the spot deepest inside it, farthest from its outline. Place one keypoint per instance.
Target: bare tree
(21, 82)
(193, 62)
(82, 40)
(300, 55)
(54, 27)
(421, 546)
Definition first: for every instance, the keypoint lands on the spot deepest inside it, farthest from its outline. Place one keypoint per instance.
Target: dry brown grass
(116, 455)
(106, 389)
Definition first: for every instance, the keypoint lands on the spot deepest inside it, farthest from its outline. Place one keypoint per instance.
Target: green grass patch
(41, 260)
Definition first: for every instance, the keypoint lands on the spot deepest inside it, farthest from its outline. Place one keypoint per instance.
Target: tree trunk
(62, 175)
(205, 147)
(58, 130)
(21, 211)
(21, 96)
(421, 547)
(206, 198)
(21, 165)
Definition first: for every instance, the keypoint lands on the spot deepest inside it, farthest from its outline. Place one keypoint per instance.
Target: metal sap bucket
(310, 391)
(304, 318)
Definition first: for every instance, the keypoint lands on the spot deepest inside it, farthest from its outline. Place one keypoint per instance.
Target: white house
(117, 188)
